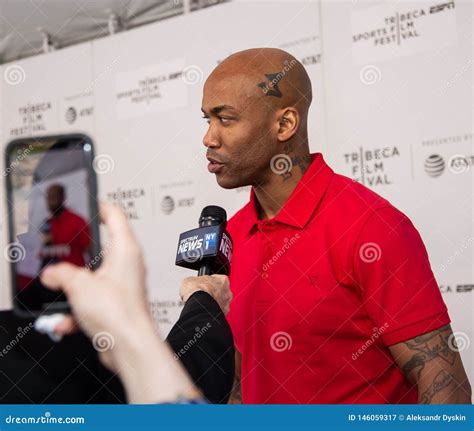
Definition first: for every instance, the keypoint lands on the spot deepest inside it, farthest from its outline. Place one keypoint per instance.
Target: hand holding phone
(52, 214)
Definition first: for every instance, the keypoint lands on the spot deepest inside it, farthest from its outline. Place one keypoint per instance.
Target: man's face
(241, 136)
(54, 198)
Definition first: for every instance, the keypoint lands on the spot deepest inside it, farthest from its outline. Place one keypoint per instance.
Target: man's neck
(58, 212)
(273, 193)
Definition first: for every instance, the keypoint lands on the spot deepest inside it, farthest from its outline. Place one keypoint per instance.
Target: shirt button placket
(267, 248)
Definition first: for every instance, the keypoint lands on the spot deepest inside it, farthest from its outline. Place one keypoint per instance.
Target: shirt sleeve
(84, 234)
(397, 285)
(202, 341)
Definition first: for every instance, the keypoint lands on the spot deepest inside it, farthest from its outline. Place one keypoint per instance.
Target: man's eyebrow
(218, 109)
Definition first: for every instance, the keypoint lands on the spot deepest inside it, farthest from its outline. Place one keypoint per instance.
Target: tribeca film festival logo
(399, 27)
(162, 310)
(369, 166)
(127, 200)
(32, 118)
(148, 88)
(435, 165)
(457, 288)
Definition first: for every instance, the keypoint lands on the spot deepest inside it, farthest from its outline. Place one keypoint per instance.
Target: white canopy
(30, 27)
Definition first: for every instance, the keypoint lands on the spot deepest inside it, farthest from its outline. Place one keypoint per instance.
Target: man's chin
(227, 183)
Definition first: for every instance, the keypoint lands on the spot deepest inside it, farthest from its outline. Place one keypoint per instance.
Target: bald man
(66, 235)
(334, 297)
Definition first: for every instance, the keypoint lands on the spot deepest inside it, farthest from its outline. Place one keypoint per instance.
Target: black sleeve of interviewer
(202, 340)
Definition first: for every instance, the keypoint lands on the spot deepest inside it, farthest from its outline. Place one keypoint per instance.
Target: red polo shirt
(71, 231)
(322, 289)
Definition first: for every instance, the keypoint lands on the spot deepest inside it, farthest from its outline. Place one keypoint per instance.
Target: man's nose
(211, 139)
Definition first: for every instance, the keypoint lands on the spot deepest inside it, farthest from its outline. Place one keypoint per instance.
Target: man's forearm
(445, 389)
(202, 341)
(432, 362)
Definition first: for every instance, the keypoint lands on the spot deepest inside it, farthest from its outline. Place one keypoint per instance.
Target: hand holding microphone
(207, 249)
(111, 302)
(216, 285)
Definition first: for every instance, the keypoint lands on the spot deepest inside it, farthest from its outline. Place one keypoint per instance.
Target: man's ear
(289, 120)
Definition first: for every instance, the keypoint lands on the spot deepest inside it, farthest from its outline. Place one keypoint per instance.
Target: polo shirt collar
(302, 202)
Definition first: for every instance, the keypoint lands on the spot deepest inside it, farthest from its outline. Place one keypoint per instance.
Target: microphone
(207, 249)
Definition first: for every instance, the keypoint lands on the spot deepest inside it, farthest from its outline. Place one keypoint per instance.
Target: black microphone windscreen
(213, 212)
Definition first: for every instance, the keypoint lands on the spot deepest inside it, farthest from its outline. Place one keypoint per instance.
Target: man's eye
(224, 120)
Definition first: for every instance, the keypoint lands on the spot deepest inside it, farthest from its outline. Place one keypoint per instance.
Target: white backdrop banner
(398, 81)
(392, 109)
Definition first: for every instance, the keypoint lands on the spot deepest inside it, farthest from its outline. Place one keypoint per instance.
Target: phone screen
(53, 216)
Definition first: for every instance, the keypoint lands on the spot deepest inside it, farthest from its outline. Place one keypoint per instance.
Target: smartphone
(53, 217)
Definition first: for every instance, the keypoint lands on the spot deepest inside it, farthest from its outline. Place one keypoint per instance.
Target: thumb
(61, 276)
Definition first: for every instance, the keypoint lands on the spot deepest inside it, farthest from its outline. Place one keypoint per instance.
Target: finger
(188, 286)
(116, 221)
(60, 276)
(67, 326)
(122, 243)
